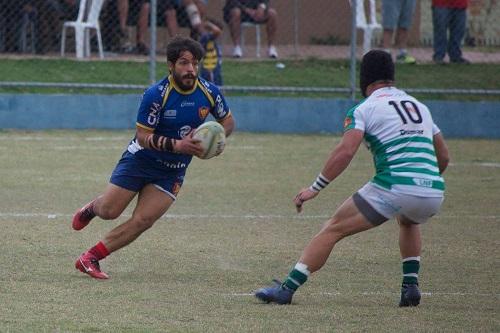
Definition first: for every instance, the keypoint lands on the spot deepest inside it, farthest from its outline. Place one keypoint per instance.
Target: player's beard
(181, 79)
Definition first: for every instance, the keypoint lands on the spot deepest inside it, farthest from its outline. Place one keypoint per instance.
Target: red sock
(99, 251)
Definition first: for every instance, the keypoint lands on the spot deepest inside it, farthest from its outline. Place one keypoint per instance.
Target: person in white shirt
(410, 155)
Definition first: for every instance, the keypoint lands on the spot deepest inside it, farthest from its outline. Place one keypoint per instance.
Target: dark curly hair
(181, 44)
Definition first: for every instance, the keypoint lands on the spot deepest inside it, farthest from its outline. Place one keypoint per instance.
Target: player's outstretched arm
(343, 153)
(338, 161)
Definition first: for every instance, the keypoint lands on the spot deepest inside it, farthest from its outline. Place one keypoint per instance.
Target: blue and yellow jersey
(211, 66)
(169, 111)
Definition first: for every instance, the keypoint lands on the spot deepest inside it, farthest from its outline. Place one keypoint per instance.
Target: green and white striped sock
(297, 277)
(411, 265)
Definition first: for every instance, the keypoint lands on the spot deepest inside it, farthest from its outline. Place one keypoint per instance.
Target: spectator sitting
(136, 11)
(211, 69)
(452, 16)
(397, 16)
(47, 15)
(254, 11)
(182, 13)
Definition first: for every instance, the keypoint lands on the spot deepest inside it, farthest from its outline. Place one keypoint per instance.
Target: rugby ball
(212, 137)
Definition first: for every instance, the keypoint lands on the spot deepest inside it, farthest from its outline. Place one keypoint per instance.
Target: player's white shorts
(379, 205)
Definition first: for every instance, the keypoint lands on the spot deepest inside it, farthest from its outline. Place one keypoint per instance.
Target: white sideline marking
(64, 138)
(124, 146)
(379, 293)
(223, 216)
(483, 164)
(87, 147)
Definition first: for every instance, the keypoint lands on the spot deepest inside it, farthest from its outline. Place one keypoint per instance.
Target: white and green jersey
(399, 131)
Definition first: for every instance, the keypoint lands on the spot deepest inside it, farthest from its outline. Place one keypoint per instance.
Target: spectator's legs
(142, 24)
(440, 24)
(387, 39)
(390, 16)
(271, 26)
(123, 10)
(171, 21)
(235, 25)
(458, 19)
(235, 29)
(401, 41)
(123, 6)
(202, 8)
(193, 14)
(47, 25)
(404, 24)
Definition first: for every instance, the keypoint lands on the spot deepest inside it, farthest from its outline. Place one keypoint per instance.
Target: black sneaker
(461, 61)
(410, 295)
(141, 49)
(438, 61)
(278, 294)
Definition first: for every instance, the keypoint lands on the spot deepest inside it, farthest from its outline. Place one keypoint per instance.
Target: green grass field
(298, 73)
(233, 229)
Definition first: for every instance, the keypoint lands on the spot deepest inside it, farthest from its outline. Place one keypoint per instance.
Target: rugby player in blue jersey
(155, 162)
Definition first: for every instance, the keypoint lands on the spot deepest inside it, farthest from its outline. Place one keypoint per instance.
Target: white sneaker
(272, 52)
(237, 53)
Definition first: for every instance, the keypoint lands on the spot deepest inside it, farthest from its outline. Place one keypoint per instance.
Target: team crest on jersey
(347, 122)
(176, 188)
(203, 112)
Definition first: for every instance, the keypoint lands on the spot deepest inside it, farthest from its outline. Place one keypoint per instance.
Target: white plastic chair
(88, 18)
(257, 35)
(368, 26)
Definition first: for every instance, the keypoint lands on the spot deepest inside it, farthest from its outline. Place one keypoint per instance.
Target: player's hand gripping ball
(212, 137)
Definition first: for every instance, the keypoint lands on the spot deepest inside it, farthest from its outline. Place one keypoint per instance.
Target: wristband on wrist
(320, 183)
(161, 143)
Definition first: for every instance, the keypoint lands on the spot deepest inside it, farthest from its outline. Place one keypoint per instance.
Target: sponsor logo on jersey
(384, 95)
(163, 89)
(172, 165)
(186, 103)
(154, 111)
(203, 112)
(411, 132)
(184, 131)
(220, 107)
(206, 85)
(423, 182)
(170, 113)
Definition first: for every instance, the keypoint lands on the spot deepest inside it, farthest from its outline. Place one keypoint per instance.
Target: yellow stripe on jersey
(205, 91)
(144, 126)
(169, 89)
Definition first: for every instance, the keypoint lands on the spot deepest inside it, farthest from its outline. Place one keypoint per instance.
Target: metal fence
(140, 29)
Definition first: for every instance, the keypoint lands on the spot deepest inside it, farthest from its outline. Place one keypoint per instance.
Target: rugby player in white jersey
(410, 155)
